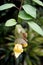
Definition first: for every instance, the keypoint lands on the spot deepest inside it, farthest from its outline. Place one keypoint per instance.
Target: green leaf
(38, 2)
(35, 58)
(30, 10)
(10, 22)
(28, 60)
(6, 6)
(39, 40)
(23, 15)
(36, 27)
(38, 51)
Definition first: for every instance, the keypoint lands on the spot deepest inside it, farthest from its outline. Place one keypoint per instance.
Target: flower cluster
(18, 48)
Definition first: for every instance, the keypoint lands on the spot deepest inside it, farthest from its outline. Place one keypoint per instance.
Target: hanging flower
(17, 50)
(20, 32)
(22, 42)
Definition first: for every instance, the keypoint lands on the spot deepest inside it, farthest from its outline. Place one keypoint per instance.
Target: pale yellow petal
(17, 50)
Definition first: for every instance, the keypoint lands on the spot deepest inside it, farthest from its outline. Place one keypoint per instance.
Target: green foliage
(23, 15)
(38, 2)
(30, 10)
(10, 22)
(12, 29)
(6, 6)
(38, 51)
(36, 27)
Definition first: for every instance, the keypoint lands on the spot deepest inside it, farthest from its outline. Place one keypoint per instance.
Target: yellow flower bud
(24, 44)
(17, 50)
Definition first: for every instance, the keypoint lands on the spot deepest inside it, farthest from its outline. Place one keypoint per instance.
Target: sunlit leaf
(6, 6)
(36, 27)
(23, 15)
(30, 10)
(38, 2)
(10, 22)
